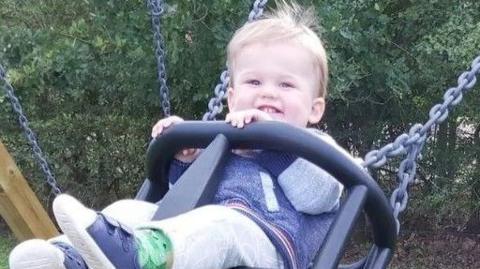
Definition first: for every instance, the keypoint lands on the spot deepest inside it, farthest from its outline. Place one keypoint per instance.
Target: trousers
(217, 237)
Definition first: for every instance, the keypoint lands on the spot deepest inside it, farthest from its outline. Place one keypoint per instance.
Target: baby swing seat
(196, 187)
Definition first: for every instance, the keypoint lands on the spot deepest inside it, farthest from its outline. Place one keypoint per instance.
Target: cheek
(299, 101)
(239, 101)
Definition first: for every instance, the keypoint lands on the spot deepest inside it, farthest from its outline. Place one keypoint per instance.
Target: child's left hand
(241, 118)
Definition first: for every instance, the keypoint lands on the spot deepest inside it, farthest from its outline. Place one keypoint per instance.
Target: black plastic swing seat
(197, 186)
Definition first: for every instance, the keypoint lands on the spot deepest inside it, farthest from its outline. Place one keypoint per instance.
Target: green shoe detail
(154, 249)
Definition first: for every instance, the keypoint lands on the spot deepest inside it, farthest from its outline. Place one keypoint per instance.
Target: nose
(268, 91)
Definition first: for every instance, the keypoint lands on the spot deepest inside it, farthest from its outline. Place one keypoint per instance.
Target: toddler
(271, 209)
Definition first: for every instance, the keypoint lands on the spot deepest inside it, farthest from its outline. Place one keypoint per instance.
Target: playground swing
(192, 190)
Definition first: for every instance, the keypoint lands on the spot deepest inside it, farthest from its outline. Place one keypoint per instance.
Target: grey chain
(157, 8)
(215, 105)
(29, 134)
(257, 10)
(413, 142)
(410, 144)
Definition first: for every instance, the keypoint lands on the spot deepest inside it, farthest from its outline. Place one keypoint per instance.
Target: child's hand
(241, 118)
(185, 155)
(163, 124)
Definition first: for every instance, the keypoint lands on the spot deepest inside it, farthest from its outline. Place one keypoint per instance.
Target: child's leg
(215, 237)
(58, 253)
(211, 237)
(131, 212)
(102, 241)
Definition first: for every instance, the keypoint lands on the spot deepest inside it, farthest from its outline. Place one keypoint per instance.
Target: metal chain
(157, 8)
(257, 10)
(413, 142)
(438, 113)
(29, 134)
(215, 105)
(410, 144)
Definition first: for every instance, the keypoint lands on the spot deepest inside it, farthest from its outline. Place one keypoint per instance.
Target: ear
(230, 98)
(318, 107)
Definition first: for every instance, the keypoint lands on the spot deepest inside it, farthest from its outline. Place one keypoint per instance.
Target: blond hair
(289, 22)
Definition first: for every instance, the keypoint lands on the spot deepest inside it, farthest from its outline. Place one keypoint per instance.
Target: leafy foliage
(86, 75)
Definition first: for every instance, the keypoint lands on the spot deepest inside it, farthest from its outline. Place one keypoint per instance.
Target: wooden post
(19, 205)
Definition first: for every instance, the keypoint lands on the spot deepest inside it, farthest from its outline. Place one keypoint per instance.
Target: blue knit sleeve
(177, 168)
(275, 162)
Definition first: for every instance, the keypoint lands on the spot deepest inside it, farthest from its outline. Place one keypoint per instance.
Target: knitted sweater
(266, 187)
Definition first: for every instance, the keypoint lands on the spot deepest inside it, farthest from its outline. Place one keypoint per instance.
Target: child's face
(278, 78)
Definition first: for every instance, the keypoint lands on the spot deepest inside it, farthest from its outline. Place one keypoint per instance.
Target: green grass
(7, 242)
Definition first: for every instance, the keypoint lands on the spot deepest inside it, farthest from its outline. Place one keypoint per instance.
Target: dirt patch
(445, 250)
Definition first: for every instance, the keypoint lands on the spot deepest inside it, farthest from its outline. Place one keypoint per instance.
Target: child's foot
(105, 243)
(40, 254)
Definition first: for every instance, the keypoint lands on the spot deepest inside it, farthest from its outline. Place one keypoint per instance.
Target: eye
(254, 82)
(287, 84)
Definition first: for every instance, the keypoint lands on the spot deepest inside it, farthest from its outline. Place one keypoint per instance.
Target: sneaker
(105, 243)
(40, 254)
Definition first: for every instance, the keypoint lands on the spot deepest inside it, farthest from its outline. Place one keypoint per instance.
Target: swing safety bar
(197, 186)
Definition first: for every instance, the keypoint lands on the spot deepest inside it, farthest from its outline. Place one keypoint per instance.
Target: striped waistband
(281, 236)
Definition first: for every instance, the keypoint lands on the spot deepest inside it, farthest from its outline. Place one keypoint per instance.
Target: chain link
(257, 10)
(413, 142)
(410, 144)
(418, 132)
(29, 134)
(215, 105)
(157, 8)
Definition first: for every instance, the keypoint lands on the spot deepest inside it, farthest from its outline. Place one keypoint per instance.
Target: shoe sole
(36, 254)
(75, 228)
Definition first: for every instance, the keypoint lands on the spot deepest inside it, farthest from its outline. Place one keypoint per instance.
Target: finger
(191, 151)
(167, 123)
(233, 121)
(241, 123)
(258, 115)
(175, 119)
(170, 121)
(157, 130)
(249, 118)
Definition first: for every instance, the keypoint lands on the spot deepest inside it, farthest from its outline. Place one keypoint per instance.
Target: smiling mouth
(269, 109)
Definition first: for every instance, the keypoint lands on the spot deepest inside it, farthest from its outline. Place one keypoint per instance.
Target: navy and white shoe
(40, 254)
(103, 242)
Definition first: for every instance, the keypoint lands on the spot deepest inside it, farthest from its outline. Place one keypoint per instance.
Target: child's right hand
(163, 124)
(185, 155)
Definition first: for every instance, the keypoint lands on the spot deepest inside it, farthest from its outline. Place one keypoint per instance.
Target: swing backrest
(198, 184)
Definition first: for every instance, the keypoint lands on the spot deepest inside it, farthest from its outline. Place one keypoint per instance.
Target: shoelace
(71, 254)
(124, 233)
